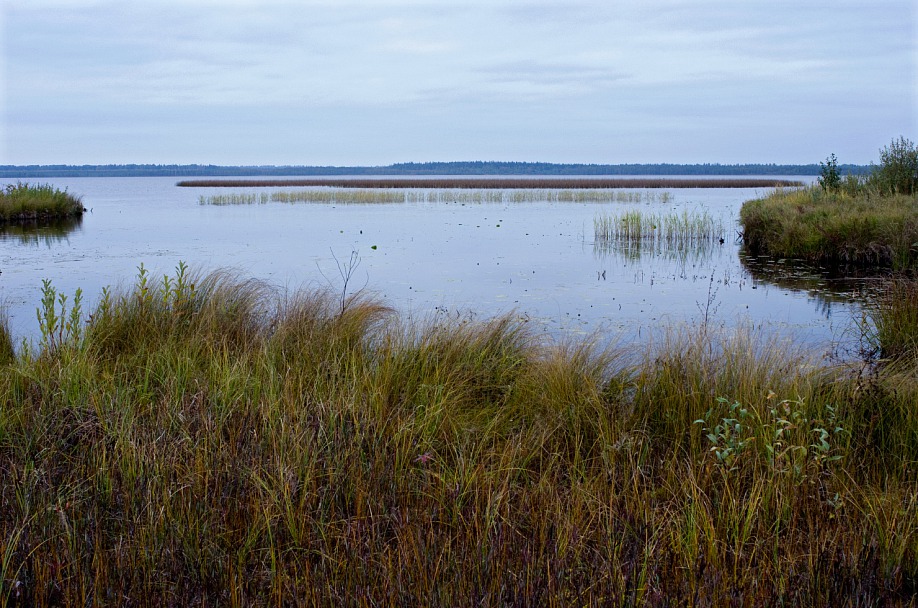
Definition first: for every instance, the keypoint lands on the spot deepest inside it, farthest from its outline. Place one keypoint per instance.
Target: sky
(346, 82)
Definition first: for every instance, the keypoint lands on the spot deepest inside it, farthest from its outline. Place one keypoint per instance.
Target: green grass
(893, 317)
(24, 202)
(858, 227)
(202, 440)
(675, 230)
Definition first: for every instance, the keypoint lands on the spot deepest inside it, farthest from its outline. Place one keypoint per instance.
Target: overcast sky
(375, 82)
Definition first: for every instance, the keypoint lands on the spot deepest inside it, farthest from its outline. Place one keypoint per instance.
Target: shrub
(829, 177)
(898, 170)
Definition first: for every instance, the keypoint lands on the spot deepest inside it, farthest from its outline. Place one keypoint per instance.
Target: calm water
(475, 259)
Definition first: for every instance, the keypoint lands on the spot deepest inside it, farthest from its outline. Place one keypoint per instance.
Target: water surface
(536, 259)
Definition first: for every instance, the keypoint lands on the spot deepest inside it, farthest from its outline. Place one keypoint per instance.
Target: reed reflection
(41, 232)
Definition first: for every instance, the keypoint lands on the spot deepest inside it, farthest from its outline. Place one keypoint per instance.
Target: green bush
(898, 170)
(829, 177)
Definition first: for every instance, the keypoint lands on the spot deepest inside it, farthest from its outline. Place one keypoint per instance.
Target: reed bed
(201, 440)
(23, 202)
(672, 230)
(391, 196)
(502, 183)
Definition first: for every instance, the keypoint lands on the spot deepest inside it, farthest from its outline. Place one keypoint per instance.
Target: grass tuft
(23, 202)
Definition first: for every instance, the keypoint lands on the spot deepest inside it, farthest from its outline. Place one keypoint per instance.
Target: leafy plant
(791, 443)
(829, 177)
(56, 323)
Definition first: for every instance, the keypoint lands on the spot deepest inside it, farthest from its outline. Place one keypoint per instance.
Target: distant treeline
(431, 168)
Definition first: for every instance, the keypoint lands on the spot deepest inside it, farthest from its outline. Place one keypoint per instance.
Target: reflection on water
(633, 251)
(46, 232)
(827, 287)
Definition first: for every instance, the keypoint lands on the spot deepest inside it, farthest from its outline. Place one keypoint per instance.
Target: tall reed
(389, 196)
(688, 228)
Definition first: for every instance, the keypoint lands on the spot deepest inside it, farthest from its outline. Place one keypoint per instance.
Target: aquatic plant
(344, 196)
(676, 230)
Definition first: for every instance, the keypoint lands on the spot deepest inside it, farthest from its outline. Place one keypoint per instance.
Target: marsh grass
(465, 196)
(23, 202)
(200, 440)
(857, 227)
(893, 315)
(672, 230)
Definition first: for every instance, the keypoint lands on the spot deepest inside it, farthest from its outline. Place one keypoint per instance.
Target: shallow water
(538, 259)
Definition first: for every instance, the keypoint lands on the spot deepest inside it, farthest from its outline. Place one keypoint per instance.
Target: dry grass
(203, 442)
(500, 183)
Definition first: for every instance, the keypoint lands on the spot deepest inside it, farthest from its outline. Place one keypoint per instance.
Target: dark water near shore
(536, 258)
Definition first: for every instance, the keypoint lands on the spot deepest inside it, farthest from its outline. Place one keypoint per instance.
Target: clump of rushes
(28, 202)
(674, 230)
(339, 195)
(202, 441)
(893, 317)
(843, 226)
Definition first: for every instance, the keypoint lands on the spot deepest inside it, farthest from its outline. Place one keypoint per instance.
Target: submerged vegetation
(23, 202)
(203, 441)
(864, 220)
(373, 196)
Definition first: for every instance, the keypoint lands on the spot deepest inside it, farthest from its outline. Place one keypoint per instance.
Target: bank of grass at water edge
(860, 227)
(23, 202)
(202, 440)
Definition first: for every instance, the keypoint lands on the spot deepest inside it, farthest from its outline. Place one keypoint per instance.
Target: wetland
(433, 251)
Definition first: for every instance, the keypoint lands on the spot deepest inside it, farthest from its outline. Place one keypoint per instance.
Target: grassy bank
(201, 441)
(23, 202)
(501, 182)
(836, 226)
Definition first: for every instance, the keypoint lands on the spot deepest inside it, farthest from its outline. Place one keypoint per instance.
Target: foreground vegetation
(22, 202)
(867, 220)
(201, 441)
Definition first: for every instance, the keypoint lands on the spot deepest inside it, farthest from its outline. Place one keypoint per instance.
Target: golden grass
(201, 441)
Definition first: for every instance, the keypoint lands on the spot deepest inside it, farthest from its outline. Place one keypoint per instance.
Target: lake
(538, 259)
